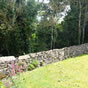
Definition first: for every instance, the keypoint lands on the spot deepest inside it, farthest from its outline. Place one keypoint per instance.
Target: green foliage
(1, 85)
(35, 63)
(21, 33)
(44, 37)
(16, 26)
(31, 67)
(41, 63)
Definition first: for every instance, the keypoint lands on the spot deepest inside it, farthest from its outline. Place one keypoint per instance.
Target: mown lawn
(70, 73)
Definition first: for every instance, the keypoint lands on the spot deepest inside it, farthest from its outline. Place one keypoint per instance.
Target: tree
(85, 20)
(17, 25)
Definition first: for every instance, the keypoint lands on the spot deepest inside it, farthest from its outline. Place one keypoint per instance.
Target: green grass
(70, 73)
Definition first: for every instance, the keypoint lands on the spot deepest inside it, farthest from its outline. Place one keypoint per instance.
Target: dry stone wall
(47, 57)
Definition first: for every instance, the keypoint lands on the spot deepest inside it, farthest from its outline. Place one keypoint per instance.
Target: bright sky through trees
(44, 1)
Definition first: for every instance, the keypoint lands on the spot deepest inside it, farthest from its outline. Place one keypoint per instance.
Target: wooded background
(21, 31)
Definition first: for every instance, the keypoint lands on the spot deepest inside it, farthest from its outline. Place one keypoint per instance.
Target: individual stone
(23, 57)
(8, 58)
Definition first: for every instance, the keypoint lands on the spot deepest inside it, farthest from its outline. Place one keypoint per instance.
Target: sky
(45, 1)
(64, 13)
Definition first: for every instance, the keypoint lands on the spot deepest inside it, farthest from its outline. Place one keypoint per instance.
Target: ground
(70, 73)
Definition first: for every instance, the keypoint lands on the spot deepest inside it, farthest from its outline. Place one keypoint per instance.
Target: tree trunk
(14, 15)
(52, 38)
(84, 24)
(79, 24)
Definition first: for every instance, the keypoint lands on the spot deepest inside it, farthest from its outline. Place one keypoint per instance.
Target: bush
(41, 63)
(31, 67)
(35, 63)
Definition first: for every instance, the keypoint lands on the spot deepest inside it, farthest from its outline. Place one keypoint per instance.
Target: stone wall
(47, 57)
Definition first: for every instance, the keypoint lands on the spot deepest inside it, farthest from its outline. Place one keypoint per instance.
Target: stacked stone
(47, 57)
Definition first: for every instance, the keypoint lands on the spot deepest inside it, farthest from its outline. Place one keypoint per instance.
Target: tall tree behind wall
(49, 20)
(16, 25)
(75, 22)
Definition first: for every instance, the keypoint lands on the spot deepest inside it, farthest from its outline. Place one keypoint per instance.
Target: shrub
(31, 67)
(41, 63)
(35, 63)
(15, 68)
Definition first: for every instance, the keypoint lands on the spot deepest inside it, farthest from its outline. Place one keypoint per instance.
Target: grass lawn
(70, 73)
